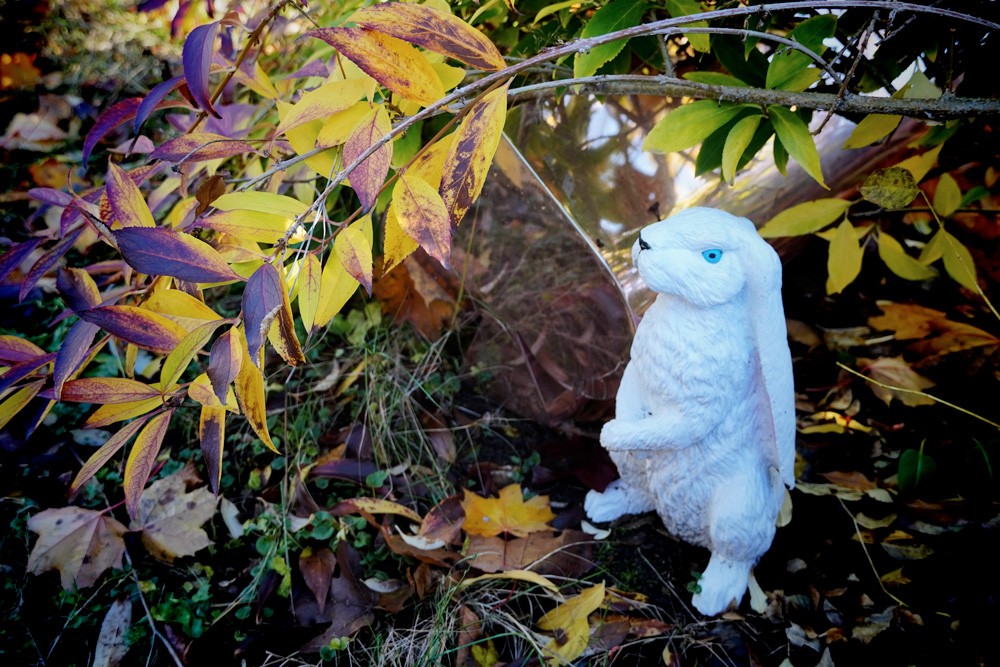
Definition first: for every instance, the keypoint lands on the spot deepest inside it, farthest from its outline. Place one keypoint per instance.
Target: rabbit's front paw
(616, 501)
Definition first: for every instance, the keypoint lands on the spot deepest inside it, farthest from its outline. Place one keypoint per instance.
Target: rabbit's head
(703, 256)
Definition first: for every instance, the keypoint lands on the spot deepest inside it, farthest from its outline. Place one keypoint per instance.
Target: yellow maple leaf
(507, 514)
(569, 623)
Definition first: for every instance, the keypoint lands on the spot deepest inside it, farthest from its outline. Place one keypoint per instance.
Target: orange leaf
(423, 216)
(310, 279)
(507, 514)
(369, 176)
(142, 457)
(212, 435)
(104, 454)
(107, 390)
(250, 393)
(472, 151)
(80, 543)
(127, 203)
(390, 61)
(433, 29)
(355, 253)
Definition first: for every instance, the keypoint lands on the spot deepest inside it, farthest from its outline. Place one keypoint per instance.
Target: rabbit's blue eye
(712, 256)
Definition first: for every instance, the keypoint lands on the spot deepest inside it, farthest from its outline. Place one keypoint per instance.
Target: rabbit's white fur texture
(704, 430)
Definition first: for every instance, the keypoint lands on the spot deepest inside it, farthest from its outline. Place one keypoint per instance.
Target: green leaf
(749, 67)
(974, 195)
(616, 15)
(915, 468)
(844, 262)
(559, 6)
(689, 125)
(899, 262)
(890, 188)
(802, 80)
(678, 8)
(736, 142)
(795, 138)
(780, 156)
(710, 154)
(715, 79)
(947, 196)
(788, 65)
(805, 218)
(958, 262)
(872, 127)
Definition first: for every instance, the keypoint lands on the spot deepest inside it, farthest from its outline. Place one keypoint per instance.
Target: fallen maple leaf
(567, 554)
(938, 334)
(895, 372)
(507, 514)
(78, 542)
(170, 518)
(569, 623)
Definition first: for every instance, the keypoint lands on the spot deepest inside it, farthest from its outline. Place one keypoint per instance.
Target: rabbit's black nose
(642, 244)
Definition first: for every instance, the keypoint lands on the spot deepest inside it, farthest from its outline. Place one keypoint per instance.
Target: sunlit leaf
(390, 61)
(616, 15)
(844, 263)
(569, 622)
(309, 281)
(181, 308)
(322, 102)
(196, 58)
(248, 225)
(355, 254)
(947, 196)
(872, 128)
(470, 155)
(369, 176)
(264, 202)
(689, 125)
(433, 29)
(899, 262)
(805, 218)
(167, 252)
(736, 142)
(142, 457)
(105, 452)
(423, 216)
(890, 188)
(138, 326)
(336, 284)
(337, 128)
(795, 138)
(250, 394)
(200, 146)
(396, 244)
(107, 390)
(201, 391)
(127, 203)
(212, 436)
(509, 513)
(303, 140)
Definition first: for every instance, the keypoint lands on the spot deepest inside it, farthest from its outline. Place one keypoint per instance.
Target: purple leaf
(150, 5)
(200, 146)
(153, 98)
(165, 252)
(315, 68)
(13, 257)
(109, 120)
(197, 59)
(74, 349)
(262, 299)
(47, 261)
(23, 370)
(50, 196)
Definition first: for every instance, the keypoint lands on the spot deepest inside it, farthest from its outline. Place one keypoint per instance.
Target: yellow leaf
(337, 286)
(509, 513)
(303, 140)
(180, 307)
(201, 390)
(177, 361)
(844, 263)
(264, 202)
(890, 188)
(248, 226)
(899, 262)
(338, 127)
(105, 452)
(308, 282)
(423, 216)
(116, 412)
(569, 621)
(127, 203)
(355, 254)
(250, 394)
(396, 245)
(872, 128)
(805, 218)
(958, 262)
(947, 196)
(12, 405)
(373, 506)
(429, 165)
(322, 102)
(390, 61)
(919, 165)
(433, 29)
(470, 155)
(142, 457)
(519, 575)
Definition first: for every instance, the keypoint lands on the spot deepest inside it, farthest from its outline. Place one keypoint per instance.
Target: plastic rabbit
(704, 431)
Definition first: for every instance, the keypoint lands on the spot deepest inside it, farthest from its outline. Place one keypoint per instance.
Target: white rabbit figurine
(704, 430)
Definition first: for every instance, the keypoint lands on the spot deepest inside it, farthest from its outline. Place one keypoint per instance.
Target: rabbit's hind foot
(616, 501)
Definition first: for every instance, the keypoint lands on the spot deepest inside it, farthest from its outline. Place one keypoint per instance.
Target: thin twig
(862, 43)
(864, 548)
(149, 615)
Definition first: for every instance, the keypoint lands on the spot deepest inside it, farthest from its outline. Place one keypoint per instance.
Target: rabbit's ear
(762, 269)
